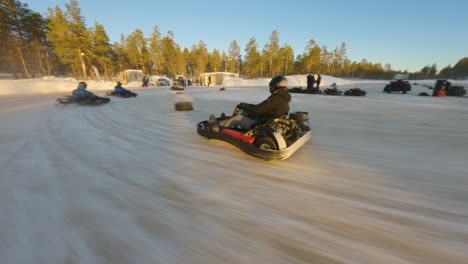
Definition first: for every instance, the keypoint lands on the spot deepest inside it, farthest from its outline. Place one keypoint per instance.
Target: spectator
(318, 80)
(310, 81)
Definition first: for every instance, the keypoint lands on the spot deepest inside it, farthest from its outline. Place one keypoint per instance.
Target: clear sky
(407, 34)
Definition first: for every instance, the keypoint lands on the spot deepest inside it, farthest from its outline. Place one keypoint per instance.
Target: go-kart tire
(266, 143)
(101, 100)
(456, 91)
(184, 106)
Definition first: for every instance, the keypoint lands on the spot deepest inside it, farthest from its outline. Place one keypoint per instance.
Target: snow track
(383, 180)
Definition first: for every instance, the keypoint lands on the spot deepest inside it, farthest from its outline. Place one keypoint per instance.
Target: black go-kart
(96, 100)
(397, 86)
(355, 92)
(305, 91)
(123, 95)
(269, 139)
(332, 91)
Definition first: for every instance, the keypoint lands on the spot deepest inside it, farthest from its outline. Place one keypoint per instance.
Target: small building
(131, 76)
(401, 76)
(215, 78)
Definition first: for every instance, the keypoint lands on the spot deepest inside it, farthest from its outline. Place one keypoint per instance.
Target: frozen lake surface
(384, 179)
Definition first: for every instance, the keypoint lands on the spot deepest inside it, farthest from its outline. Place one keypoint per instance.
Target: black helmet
(82, 84)
(119, 83)
(278, 82)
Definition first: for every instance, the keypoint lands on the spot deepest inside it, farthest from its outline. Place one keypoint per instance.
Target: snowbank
(51, 84)
(48, 85)
(293, 81)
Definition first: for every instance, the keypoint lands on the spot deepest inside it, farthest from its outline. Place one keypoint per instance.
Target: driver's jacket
(276, 105)
(120, 89)
(80, 92)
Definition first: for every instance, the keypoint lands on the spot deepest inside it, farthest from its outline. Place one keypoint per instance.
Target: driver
(82, 94)
(276, 105)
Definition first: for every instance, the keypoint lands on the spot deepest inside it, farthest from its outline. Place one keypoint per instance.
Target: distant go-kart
(124, 95)
(448, 88)
(94, 100)
(397, 86)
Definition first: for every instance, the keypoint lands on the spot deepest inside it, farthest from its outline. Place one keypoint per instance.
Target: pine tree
(460, 69)
(79, 37)
(102, 53)
(270, 53)
(215, 61)
(200, 57)
(170, 53)
(325, 61)
(446, 72)
(136, 51)
(252, 60)
(341, 58)
(22, 34)
(155, 52)
(70, 39)
(122, 62)
(185, 63)
(234, 53)
(224, 60)
(286, 60)
(58, 34)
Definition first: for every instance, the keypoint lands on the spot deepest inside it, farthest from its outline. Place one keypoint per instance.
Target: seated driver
(275, 106)
(81, 93)
(119, 89)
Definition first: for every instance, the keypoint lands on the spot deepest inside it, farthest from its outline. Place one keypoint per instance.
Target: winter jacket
(82, 93)
(318, 79)
(120, 89)
(310, 81)
(276, 105)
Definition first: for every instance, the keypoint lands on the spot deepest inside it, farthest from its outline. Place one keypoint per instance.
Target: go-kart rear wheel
(266, 143)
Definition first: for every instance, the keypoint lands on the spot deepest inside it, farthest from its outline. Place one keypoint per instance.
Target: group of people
(81, 94)
(313, 78)
(275, 106)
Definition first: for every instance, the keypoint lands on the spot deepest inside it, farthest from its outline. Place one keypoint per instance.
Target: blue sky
(407, 34)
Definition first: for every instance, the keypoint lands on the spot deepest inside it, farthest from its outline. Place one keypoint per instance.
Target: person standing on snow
(275, 106)
(145, 81)
(310, 81)
(318, 80)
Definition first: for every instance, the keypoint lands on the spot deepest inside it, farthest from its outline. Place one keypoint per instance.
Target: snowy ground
(384, 179)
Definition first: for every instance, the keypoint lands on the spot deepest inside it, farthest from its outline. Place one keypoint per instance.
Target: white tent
(215, 78)
(131, 76)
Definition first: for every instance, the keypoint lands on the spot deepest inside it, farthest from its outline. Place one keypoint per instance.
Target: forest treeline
(61, 44)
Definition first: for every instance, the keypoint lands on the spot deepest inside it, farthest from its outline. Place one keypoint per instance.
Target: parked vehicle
(163, 82)
(445, 88)
(398, 85)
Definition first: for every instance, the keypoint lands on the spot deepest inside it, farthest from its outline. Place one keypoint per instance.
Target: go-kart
(332, 91)
(123, 95)
(397, 86)
(95, 100)
(305, 91)
(268, 139)
(355, 92)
